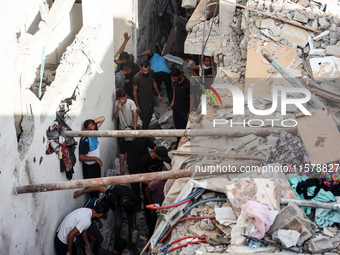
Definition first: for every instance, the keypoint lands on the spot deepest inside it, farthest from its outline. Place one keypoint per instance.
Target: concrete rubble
(236, 37)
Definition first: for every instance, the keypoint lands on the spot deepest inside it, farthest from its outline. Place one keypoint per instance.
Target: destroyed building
(58, 57)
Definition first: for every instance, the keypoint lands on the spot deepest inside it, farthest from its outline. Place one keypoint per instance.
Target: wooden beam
(227, 131)
(123, 179)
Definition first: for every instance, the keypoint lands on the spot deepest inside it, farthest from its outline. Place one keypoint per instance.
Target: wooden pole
(146, 246)
(274, 17)
(193, 172)
(313, 204)
(227, 131)
(124, 179)
(190, 154)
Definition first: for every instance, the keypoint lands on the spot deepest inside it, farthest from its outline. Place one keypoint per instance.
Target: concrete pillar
(227, 10)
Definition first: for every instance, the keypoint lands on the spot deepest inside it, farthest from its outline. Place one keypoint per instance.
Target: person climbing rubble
(89, 152)
(143, 93)
(75, 223)
(161, 70)
(122, 56)
(119, 198)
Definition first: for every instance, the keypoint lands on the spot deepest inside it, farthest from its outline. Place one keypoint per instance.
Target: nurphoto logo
(239, 104)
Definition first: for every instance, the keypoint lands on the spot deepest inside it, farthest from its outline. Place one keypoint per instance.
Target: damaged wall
(125, 20)
(30, 221)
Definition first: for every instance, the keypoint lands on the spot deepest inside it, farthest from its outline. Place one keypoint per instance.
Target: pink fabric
(259, 214)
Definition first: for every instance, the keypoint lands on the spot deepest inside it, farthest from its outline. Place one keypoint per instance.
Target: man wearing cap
(134, 148)
(153, 162)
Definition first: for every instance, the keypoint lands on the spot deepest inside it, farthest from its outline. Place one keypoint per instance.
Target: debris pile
(305, 41)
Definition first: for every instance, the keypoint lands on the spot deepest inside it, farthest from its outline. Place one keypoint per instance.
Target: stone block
(189, 4)
(336, 241)
(301, 17)
(320, 244)
(330, 231)
(333, 35)
(293, 218)
(296, 35)
(288, 238)
(333, 41)
(323, 22)
(268, 23)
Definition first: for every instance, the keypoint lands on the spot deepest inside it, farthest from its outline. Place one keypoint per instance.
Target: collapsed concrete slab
(325, 68)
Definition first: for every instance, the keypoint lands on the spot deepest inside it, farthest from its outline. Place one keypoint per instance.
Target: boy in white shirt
(126, 110)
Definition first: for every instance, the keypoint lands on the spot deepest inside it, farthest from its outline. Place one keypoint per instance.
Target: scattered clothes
(62, 145)
(315, 192)
(290, 151)
(259, 213)
(326, 217)
(253, 221)
(330, 175)
(264, 191)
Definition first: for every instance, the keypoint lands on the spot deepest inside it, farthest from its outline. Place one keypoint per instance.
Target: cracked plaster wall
(29, 221)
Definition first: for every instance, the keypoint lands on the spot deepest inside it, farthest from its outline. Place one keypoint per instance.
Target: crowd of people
(136, 89)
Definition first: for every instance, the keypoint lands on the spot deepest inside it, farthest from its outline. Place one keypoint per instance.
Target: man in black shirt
(143, 82)
(152, 163)
(183, 100)
(134, 148)
(119, 198)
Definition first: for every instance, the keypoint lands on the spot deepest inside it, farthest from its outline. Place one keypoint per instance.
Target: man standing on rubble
(119, 197)
(162, 72)
(89, 152)
(183, 100)
(143, 93)
(134, 148)
(77, 222)
(126, 110)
